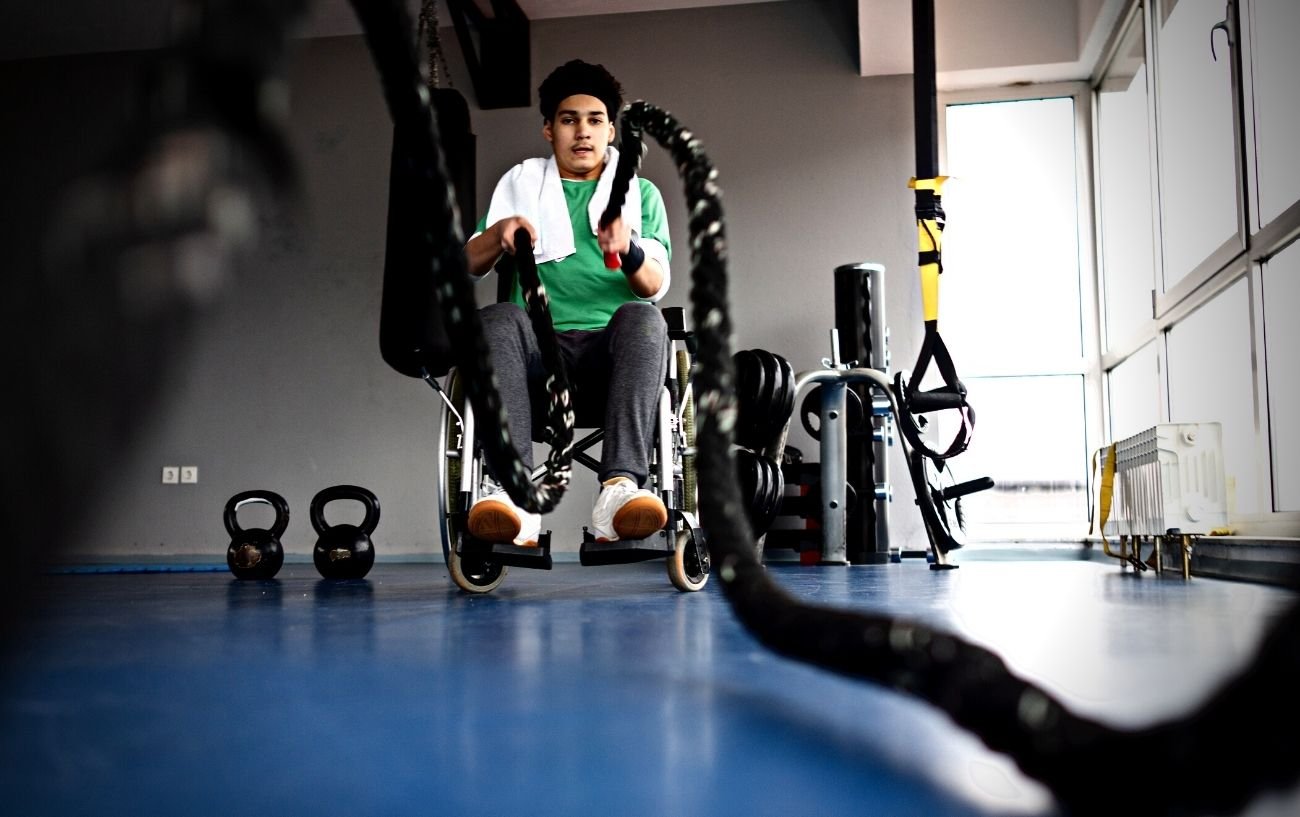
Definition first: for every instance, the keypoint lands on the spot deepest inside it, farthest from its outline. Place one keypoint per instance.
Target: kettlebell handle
(327, 495)
(278, 527)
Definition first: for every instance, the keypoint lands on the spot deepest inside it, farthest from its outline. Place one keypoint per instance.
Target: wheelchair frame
(480, 567)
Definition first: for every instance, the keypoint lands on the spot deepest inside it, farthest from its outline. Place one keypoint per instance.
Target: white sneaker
(624, 511)
(496, 518)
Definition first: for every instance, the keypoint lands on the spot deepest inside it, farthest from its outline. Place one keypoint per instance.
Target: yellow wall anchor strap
(935, 184)
(929, 239)
(1106, 493)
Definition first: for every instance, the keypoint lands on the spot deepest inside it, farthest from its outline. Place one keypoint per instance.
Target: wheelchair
(480, 567)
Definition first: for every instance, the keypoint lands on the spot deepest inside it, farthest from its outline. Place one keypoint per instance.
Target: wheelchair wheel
(688, 566)
(470, 575)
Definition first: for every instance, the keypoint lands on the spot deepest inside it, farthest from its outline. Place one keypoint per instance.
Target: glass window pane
(1029, 437)
(1012, 236)
(1135, 394)
(1194, 101)
(1124, 189)
(1277, 116)
(1281, 342)
(1210, 380)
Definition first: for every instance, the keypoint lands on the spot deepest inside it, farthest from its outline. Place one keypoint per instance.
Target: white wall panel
(1136, 393)
(1210, 379)
(1194, 109)
(1282, 352)
(1275, 27)
(1124, 168)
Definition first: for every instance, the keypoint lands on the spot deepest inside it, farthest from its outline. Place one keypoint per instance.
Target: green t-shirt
(583, 293)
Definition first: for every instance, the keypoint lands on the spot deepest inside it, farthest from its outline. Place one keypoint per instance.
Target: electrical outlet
(189, 474)
(171, 475)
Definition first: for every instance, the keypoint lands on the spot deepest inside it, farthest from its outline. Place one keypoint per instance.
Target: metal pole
(924, 92)
(835, 473)
(880, 362)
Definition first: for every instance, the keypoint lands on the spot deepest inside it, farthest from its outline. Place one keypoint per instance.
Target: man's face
(579, 135)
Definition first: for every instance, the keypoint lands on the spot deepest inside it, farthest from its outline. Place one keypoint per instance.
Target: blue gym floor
(580, 691)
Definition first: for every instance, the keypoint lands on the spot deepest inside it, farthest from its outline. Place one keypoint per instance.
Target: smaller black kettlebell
(344, 551)
(255, 553)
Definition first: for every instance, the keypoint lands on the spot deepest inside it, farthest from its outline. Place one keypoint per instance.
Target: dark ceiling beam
(496, 50)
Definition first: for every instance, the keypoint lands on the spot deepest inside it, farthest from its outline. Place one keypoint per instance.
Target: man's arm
(646, 279)
(483, 250)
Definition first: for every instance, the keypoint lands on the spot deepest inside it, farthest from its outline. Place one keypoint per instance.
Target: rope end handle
(628, 161)
(612, 259)
(523, 241)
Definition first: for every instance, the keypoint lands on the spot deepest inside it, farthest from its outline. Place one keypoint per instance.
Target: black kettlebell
(255, 553)
(344, 551)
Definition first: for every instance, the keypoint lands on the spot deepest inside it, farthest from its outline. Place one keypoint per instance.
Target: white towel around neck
(534, 190)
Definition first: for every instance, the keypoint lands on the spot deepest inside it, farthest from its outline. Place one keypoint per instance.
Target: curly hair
(578, 77)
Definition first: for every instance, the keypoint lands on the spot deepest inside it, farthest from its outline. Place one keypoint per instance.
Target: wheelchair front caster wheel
(474, 575)
(688, 566)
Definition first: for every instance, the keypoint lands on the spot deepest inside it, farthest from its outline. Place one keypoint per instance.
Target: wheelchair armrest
(675, 317)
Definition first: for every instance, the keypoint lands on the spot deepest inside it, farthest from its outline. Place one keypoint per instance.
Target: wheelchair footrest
(623, 551)
(536, 558)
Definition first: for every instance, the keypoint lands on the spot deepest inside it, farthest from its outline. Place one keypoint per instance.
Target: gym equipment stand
(835, 379)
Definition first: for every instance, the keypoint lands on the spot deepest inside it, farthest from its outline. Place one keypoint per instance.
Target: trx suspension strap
(969, 683)
(913, 403)
(930, 219)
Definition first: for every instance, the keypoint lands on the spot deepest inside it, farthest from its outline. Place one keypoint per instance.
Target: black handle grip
(356, 492)
(963, 488)
(278, 527)
(920, 402)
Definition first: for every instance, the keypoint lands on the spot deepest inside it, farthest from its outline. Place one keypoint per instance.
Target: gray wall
(283, 387)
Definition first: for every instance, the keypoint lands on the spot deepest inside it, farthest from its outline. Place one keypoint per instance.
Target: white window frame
(1217, 272)
(1221, 269)
(1088, 365)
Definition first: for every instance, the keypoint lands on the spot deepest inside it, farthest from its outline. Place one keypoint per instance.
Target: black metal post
(924, 92)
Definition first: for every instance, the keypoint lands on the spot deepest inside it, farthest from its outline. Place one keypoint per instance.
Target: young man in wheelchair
(613, 341)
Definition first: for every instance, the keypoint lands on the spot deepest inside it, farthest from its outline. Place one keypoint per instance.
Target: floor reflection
(574, 691)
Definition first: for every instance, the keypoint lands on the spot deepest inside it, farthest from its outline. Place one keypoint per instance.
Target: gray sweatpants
(615, 372)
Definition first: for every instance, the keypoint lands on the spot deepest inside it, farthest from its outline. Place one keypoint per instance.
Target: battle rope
(1218, 756)
(393, 46)
(969, 683)
(559, 430)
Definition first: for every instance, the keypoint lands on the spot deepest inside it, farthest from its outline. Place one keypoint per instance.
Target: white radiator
(1169, 477)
